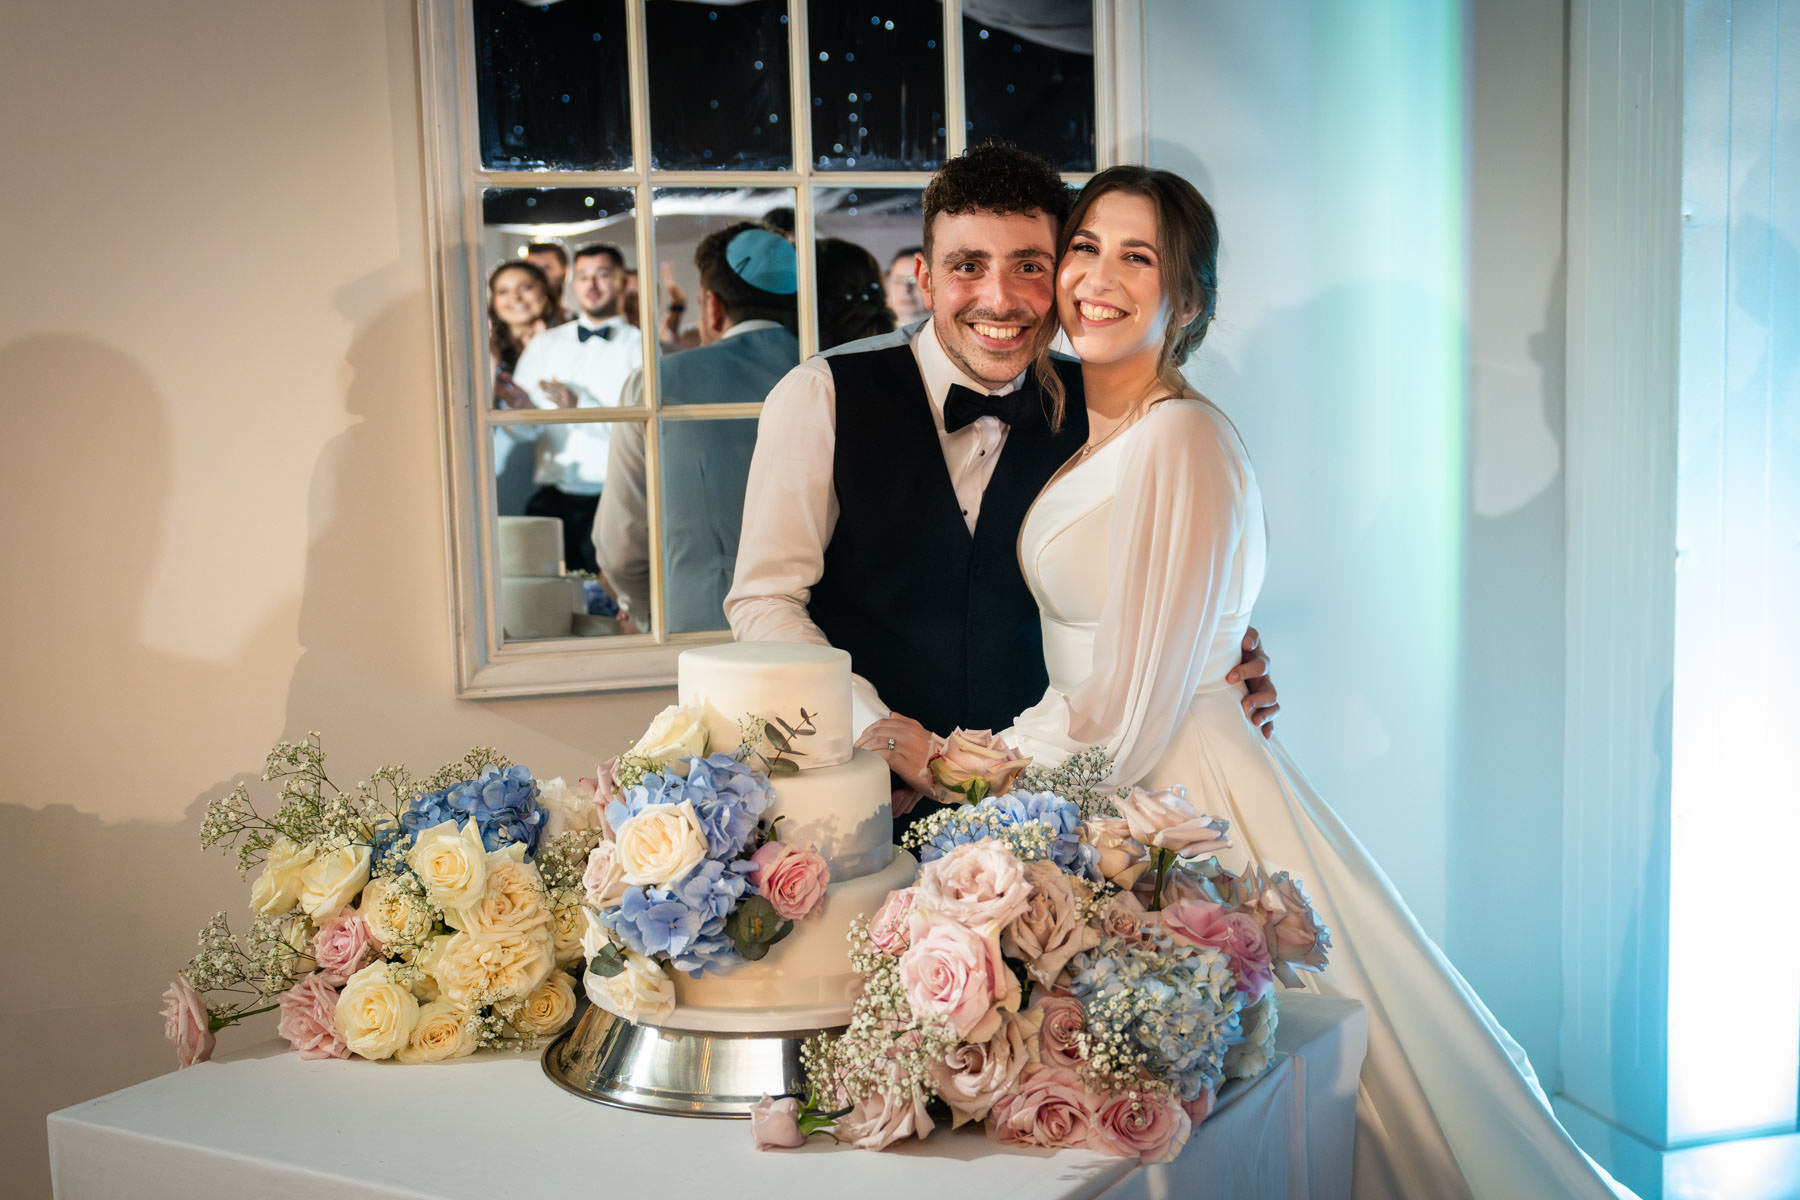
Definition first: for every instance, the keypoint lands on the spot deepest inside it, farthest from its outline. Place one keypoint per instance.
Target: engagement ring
(890, 743)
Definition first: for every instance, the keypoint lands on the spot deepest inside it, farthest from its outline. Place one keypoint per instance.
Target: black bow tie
(963, 405)
(604, 333)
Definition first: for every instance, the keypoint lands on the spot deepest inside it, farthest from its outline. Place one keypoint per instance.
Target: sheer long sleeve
(1177, 520)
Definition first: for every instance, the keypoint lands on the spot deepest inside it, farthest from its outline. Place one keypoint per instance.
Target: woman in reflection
(852, 294)
(519, 308)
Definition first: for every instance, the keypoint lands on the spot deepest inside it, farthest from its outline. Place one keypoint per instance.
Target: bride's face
(1109, 286)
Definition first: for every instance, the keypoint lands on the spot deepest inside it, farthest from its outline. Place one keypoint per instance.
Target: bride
(1145, 553)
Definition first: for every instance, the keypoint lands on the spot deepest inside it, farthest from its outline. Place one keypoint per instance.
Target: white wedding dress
(1145, 559)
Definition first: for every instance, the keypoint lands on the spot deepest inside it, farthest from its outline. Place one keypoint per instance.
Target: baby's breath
(1081, 778)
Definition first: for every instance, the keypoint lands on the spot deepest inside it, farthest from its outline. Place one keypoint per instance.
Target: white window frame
(485, 664)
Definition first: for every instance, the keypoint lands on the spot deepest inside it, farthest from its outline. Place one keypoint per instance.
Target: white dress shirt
(790, 505)
(573, 457)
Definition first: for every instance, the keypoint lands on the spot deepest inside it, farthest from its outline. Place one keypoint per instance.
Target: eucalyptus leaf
(784, 766)
(607, 962)
(777, 738)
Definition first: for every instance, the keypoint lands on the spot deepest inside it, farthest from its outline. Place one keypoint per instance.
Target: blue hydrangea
(974, 822)
(599, 601)
(728, 798)
(685, 922)
(503, 803)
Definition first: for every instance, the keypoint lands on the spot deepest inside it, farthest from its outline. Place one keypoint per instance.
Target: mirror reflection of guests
(519, 308)
(581, 364)
(553, 261)
(903, 295)
(747, 334)
(852, 294)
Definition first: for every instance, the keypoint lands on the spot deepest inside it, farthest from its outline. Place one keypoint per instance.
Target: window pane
(719, 85)
(1030, 81)
(546, 583)
(885, 223)
(877, 84)
(704, 466)
(685, 216)
(551, 85)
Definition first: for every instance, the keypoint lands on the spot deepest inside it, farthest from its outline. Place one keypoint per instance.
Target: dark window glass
(719, 86)
(551, 85)
(877, 85)
(1032, 84)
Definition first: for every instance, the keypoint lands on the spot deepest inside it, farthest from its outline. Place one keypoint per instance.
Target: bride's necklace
(1130, 418)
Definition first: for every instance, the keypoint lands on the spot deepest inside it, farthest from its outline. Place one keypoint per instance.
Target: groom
(887, 525)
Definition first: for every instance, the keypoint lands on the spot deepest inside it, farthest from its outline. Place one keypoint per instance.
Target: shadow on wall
(102, 910)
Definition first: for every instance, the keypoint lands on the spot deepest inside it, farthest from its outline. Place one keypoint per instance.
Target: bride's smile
(1110, 296)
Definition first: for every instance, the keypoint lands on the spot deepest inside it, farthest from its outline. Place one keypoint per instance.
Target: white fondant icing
(843, 812)
(531, 546)
(534, 608)
(773, 680)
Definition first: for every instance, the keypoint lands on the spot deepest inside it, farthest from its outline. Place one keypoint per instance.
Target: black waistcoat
(939, 620)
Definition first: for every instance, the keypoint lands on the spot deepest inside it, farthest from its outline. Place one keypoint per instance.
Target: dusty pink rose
(794, 881)
(1178, 885)
(975, 764)
(1296, 935)
(1050, 931)
(1148, 1127)
(888, 931)
(776, 1123)
(1123, 858)
(1050, 1108)
(344, 946)
(1124, 917)
(878, 1121)
(1059, 1033)
(186, 1023)
(604, 879)
(1166, 819)
(606, 790)
(956, 974)
(975, 1074)
(1200, 1107)
(307, 1011)
(976, 884)
(1239, 935)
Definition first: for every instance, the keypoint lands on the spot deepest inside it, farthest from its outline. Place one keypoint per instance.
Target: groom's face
(990, 283)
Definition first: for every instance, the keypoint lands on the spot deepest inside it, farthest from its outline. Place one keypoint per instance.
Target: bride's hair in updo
(1187, 245)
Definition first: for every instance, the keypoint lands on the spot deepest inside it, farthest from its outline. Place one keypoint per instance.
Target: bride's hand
(1260, 704)
(905, 745)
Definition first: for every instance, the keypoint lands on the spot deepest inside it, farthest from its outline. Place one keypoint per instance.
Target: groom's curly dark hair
(995, 177)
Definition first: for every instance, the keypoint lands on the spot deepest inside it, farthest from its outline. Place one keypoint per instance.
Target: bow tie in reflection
(963, 405)
(604, 333)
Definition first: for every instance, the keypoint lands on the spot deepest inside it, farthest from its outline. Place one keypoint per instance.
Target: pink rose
(1050, 931)
(606, 790)
(794, 881)
(975, 1074)
(344, 946)
(956, 974)
(888, 931)
(1063, 1023)
(1178, 885)
(1150, 1127)
(1122, 857)
(604, 879)
(1050, 1108)
(975, 764)
(877, 1121)
(976, 884)
(1166, 819)
(1200, 1107)
(776, 1123)
(1297, 937)
(187, 1023)
(1124, 917)
(307, 1011)
(1239, 935)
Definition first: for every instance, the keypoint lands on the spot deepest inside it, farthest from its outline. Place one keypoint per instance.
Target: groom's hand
(1259, 702)
(906, 745)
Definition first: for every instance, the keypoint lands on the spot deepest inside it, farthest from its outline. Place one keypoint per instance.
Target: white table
(264, 1123)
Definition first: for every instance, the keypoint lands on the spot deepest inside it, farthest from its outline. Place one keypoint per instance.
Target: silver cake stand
(682, 1072)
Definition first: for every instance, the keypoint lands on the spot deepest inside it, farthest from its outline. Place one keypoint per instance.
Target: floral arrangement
(688, 875)
(417, 920)
(1066, 972)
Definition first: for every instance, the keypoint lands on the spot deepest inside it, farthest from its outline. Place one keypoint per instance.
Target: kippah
(763, 260)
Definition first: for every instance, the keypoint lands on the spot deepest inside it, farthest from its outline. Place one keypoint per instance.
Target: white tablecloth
(265, 1123)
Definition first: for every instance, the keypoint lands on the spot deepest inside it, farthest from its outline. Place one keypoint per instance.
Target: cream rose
(332, 880)
(451, 863)
(641, 992)
(675, 732)
(660, 844)
(594, 936)
(604, 880)
(277, 889)
(429, 955)
(298, 935)
(566, 809)
(395, 916)
(976, 884)
(547, 1007)
(375, 1015)
(444, 1031)
(1122, 857)
(1166, 819)
(484, 968)
(975, 764)
(512, 900)
(568, 924)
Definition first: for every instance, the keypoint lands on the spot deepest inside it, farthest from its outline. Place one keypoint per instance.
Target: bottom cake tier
(805, 982)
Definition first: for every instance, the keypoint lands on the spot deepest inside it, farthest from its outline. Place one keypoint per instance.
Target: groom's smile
(989, 280)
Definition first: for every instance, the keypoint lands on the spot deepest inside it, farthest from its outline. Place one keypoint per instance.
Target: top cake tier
(773, 680)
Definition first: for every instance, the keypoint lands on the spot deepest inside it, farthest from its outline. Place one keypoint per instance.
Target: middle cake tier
(843, 812)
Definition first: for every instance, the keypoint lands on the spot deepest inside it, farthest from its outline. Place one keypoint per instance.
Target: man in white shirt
(887, 525)
(580, 364)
